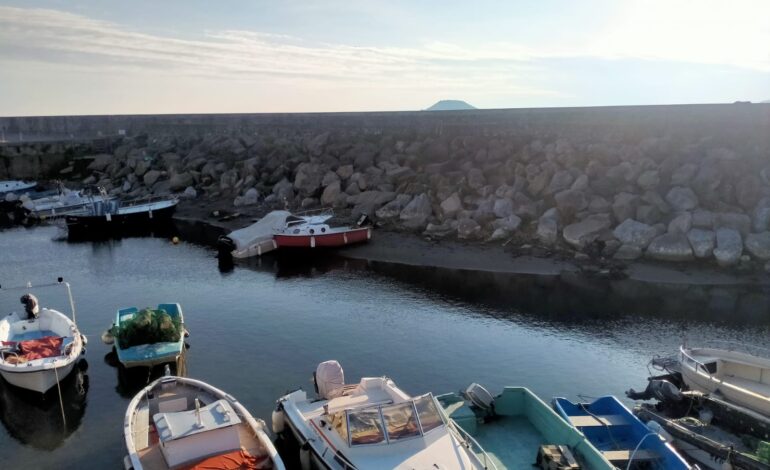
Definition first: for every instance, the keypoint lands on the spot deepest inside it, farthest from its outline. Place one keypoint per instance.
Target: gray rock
(284, 190)
(468, 229)
(101, 162)
(682, 199)
(548, 227)
(648, 179)
(570, 202)
(648, 214)
(329, 178)
(151, 177)
(11, 197)
(392, 209)
(250, 198)
(767, 267)
(307, 182)
(761, 221)
(190, 193)
(729, 247)
(702, 218)
(581, 183)
(702, 242)
(758, 244)
(415, 215)
(733, 220)
(682, 175)
(368, 202)
(451, 205)
(587, 230)
(476, 178)
(503, 208)
(634, 233)
(179, 181)
(670, 247)
(142, 166)
(345, 171)
(309, 202)
(441, 230)
(499, 234)
(624, 206)
(628, 253)
(748, 191)
(598, 204)
(560, 181)
(681, 224)
(510, 223)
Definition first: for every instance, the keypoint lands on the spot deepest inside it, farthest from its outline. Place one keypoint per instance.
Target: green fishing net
(148, 326)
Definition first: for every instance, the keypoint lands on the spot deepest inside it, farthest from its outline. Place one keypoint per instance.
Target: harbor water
(258, 329)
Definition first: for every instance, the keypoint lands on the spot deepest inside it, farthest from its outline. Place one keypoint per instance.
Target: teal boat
(148, 355)
(517, 430)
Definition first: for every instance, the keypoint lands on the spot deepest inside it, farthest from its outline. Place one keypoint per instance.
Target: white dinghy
(372, 425)
(256, 239)
(40, 346)
(176, 422)
(740, 373)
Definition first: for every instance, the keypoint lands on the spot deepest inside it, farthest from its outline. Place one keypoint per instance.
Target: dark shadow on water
(132, 380)
(36, 420)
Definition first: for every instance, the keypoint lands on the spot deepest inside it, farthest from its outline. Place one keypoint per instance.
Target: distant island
(450, 105)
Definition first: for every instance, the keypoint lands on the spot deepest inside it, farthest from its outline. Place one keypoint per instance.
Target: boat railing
(59, 282)
(324, 211)
(688, 359)
(146, 200)
(734, 346)
(471, 444)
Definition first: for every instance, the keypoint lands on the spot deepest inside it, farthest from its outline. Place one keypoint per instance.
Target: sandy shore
(414, 250)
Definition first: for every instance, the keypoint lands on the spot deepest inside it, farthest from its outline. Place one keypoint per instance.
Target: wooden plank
(598, 420)
(625, 455)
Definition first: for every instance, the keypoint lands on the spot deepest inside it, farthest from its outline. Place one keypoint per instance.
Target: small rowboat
(176, 422)
(148, 355)
(39, 348)
(314, 232)
(619, 435)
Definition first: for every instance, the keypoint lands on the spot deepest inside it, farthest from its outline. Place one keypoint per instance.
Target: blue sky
(98, 56)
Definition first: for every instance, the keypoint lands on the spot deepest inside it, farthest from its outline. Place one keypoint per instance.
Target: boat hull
(93, 225)
(328, 240)
(38, 381)
(149, 355)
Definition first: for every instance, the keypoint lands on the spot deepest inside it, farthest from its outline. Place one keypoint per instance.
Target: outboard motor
(480, 398)
(225, 246)
(363, 221)
(31, 306)
(329, 380)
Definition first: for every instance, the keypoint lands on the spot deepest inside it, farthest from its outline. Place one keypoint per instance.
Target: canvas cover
(29, 350)
(235, 460)
(330, 379)
(263, 229)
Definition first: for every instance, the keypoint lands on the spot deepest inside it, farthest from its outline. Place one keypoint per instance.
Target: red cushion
(47, 346)
(235, 460)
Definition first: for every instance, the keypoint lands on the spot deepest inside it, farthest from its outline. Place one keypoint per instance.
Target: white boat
(40, 346)
(16, 186)
(66, 202)
(178, 422)
(740, 373)
(256, 239)
(372, 425)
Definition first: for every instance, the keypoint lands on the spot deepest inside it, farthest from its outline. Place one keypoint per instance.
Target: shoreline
(395, 247)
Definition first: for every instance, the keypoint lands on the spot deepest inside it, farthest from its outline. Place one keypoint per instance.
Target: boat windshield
(388, 423)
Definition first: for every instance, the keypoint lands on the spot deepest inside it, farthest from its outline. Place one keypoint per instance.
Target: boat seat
(625, 455)
(142, 426)
(598, 420)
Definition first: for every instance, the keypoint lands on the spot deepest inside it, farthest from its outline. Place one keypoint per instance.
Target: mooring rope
(61, 402)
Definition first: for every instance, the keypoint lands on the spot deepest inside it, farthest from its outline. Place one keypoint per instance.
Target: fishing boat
(65, 201)
(114, 216)
(256, 239)
(40, 346)
(518, 430)
(148, 355)
(313, 231)
(177, 422)
(370, 425)
(619, 435)
(16, 186)
(738, 372)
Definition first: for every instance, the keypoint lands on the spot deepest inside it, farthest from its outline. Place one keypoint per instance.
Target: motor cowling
(329, 379)
(480, 397)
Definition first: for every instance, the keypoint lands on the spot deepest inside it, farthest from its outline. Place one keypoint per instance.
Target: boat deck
(496, 437)
(33, 334)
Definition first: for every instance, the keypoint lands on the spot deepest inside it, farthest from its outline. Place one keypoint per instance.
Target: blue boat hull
(149, 355)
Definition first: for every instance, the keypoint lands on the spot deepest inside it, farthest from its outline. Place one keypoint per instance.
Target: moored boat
(256, 239)
(113, 216)
(371, 425)
(619, 435)
(65, 201)
(313, 231)
(16, 186)
(150, 354)
(739, 373)
(40, 346)
(518, 430)
(177, 422)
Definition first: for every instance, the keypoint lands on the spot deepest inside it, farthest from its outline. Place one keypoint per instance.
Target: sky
(195, 56)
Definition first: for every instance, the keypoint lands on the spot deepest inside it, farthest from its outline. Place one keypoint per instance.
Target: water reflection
(36, 420)
(131, 380)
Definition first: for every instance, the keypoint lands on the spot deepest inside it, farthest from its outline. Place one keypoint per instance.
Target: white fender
(304, 457)
(278, 421)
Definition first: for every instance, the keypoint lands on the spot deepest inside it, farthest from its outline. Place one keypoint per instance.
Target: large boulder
(627, 253)
(624, 206)
(570, 202)
(587, 230)
(180, 181)
(634, 233)
(468, 229)
(560, 181)
(701, 218)
(308, 180)
(684, 174)
(681, 224)
(451, 205)
(761, 219)
(476, 178)
(416, 214)
(368, 202)
(682, 198)
(702, 242)
(249, 198)
(503, 207)
(733, 220)
(648, 179)
(729, 247)
(151, 177)
(548, 227)
(670, 247)
(101, 162)
(284, 190)
(509, 224)
(758, 244)
(393, 209)
(331, 194)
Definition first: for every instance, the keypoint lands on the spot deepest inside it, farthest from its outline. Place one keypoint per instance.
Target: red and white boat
(313, 231)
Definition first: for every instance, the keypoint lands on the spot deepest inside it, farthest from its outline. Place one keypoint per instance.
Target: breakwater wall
(672, 183)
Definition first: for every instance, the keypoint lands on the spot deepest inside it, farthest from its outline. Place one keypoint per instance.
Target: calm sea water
(259, 329)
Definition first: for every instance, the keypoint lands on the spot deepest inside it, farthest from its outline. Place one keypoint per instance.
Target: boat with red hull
(313, 231)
